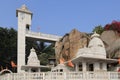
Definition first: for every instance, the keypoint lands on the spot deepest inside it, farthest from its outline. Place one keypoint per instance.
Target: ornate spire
(32, 50)
(95, 35)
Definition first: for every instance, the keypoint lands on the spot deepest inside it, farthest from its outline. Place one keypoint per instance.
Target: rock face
(111, 40)
(68, 46)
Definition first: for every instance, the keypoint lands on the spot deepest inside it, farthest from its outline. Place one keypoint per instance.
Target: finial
(95, 34)
(32, 50)
(24, 7)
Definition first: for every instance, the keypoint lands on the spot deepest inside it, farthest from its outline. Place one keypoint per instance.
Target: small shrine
(33, 64)
(93, 57)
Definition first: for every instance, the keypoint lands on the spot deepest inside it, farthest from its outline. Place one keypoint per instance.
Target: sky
(61, 16)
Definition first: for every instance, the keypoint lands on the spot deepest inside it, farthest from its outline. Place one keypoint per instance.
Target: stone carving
(68, 46)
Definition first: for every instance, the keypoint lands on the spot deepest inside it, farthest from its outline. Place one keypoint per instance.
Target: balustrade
(62, 76)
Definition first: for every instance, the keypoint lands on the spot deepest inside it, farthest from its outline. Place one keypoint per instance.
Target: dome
(96, 46)
(95, 41)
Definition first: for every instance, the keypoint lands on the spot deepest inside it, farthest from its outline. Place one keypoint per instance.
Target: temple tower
(24, 22)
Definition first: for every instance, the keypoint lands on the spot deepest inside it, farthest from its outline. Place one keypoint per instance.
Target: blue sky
(61, 16)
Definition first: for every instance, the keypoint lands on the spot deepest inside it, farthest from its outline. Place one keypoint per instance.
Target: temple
(88, 63)
(33, 64)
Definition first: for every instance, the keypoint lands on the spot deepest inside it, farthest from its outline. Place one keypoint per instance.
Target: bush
(115, 25)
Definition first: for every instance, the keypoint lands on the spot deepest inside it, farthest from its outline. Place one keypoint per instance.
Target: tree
(98, 29)
(46, 53)
(8, 46)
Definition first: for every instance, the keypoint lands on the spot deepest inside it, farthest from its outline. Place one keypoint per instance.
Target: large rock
(68, 46)
(111, 40)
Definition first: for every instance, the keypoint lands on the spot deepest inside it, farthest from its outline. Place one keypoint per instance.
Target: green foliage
(98, 29)
(46, 53)
(45, 69)
(8, 46)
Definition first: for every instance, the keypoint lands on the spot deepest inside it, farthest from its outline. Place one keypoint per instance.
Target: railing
(62, 76)
(42, 35)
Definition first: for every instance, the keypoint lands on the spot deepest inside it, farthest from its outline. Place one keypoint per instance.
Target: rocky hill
(68, 46)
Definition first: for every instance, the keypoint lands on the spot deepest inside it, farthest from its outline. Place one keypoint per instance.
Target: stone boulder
(111, 40)
(68, 46)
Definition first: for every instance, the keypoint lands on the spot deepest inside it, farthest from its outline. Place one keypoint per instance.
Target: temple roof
(96, 41)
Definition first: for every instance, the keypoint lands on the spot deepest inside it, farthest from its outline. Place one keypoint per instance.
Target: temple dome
(96, 45)
(95, 41)
(95, 48)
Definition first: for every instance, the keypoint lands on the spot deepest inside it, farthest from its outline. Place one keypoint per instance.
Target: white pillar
(105, 66)
(76, 67)
(96, 66)
(21, 47)
(29, 70)
(84, 67)
(39, 70)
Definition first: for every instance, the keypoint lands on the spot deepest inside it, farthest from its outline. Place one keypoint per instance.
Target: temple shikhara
(78, 55)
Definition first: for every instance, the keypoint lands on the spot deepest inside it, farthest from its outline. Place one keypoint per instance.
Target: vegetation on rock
(115, 25)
